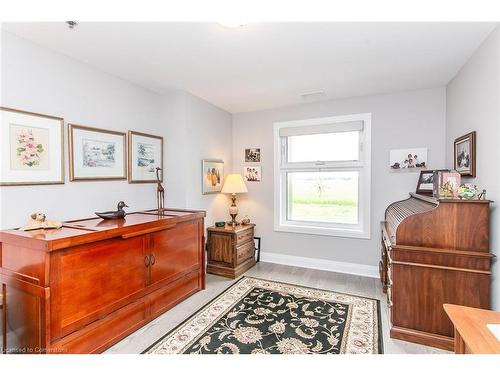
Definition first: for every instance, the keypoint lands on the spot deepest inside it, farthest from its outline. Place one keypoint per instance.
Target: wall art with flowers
(29, 147)
(32, 148)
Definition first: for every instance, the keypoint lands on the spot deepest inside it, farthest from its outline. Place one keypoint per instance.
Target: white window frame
(363, 165)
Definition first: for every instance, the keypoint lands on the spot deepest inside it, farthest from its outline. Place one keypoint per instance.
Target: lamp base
(233, 212)
(233, 221)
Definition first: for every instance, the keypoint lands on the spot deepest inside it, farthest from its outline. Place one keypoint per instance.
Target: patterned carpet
(256, 316)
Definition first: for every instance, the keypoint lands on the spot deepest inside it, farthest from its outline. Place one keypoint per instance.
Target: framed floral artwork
(145, 155)
(212, 175)
(32, 148)
(96, 154)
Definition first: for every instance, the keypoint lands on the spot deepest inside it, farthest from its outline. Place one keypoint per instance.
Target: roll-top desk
(84, 287)
(434, 251)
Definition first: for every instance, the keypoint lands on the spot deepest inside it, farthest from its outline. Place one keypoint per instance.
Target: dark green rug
(256, 316)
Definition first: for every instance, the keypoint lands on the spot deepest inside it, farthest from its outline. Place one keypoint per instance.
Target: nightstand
(230, 250)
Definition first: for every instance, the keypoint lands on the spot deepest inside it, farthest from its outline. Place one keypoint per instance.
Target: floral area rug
(256, 316)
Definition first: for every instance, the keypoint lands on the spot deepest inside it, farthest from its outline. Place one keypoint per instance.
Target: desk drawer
(245, 252)
(244, 236)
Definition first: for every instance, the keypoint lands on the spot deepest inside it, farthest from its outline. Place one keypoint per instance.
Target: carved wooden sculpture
(160, 191)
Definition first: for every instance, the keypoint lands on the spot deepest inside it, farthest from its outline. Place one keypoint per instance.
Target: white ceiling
(267, 65)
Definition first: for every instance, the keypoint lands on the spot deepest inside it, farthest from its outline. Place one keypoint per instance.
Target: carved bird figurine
(119, 214)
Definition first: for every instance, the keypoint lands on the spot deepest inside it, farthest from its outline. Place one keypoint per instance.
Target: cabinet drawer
(103, 333)
(245, 236)
(167, 297)
(245, 252)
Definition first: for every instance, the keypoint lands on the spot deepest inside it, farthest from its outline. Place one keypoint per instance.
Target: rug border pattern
(184, 334)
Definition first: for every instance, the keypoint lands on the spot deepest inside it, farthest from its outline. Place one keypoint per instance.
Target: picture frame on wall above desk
(96, 154)
(32, 148)
(464, 154)
(145, 154)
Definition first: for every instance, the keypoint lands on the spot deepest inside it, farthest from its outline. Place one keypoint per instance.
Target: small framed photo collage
(252, 172)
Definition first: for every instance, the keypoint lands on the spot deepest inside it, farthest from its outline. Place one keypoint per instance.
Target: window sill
(323, 231)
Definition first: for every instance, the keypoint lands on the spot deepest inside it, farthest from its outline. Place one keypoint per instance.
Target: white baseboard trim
(320, 264)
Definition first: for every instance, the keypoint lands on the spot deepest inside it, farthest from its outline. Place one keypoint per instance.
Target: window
(322, 176)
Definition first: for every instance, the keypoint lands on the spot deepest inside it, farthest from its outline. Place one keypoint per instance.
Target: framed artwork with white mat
(32, 148)
(96, 154)
(145, 154)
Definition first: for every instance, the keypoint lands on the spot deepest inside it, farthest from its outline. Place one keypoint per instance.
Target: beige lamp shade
(234, 184)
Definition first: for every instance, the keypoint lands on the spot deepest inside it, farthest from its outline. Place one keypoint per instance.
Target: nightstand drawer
(245, 252)
(244, 236)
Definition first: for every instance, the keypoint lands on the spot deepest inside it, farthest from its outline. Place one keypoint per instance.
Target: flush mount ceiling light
(72, 24)
(232, 24)
(313, 95)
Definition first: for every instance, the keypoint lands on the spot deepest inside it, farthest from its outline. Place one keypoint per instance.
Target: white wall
(408, 119)
(473, 103)
(39, 80)
(209, 132)
(197, 130)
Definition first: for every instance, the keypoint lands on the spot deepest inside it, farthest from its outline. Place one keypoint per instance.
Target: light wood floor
(359, 285)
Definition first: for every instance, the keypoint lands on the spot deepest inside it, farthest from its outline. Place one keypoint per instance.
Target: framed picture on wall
(408, 159)
(252, 173)
(145, 154)
(212, 175)
(465, 154)
(252, 155)
(96, 154)
(32, 148)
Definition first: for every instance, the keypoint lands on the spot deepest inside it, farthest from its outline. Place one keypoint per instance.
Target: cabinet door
(90, 281)
(175, 251)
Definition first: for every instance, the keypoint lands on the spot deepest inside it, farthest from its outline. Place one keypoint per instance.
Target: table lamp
(233, 185)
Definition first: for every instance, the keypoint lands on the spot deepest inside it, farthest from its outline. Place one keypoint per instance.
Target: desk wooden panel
(434, 251)
(472, 336)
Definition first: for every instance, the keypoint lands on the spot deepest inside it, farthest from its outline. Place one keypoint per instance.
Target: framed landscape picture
(96, 154)
(212, 175)
(32, 148)
(145, 154)
(465, 154)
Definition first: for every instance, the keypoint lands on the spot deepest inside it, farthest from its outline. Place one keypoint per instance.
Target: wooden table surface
(471, 333)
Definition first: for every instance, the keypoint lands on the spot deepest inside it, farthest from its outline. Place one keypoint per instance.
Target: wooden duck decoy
(119, 214)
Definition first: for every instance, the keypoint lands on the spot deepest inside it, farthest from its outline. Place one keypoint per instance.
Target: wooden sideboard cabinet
(230, 250)
(84, 287)
(434, 252)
